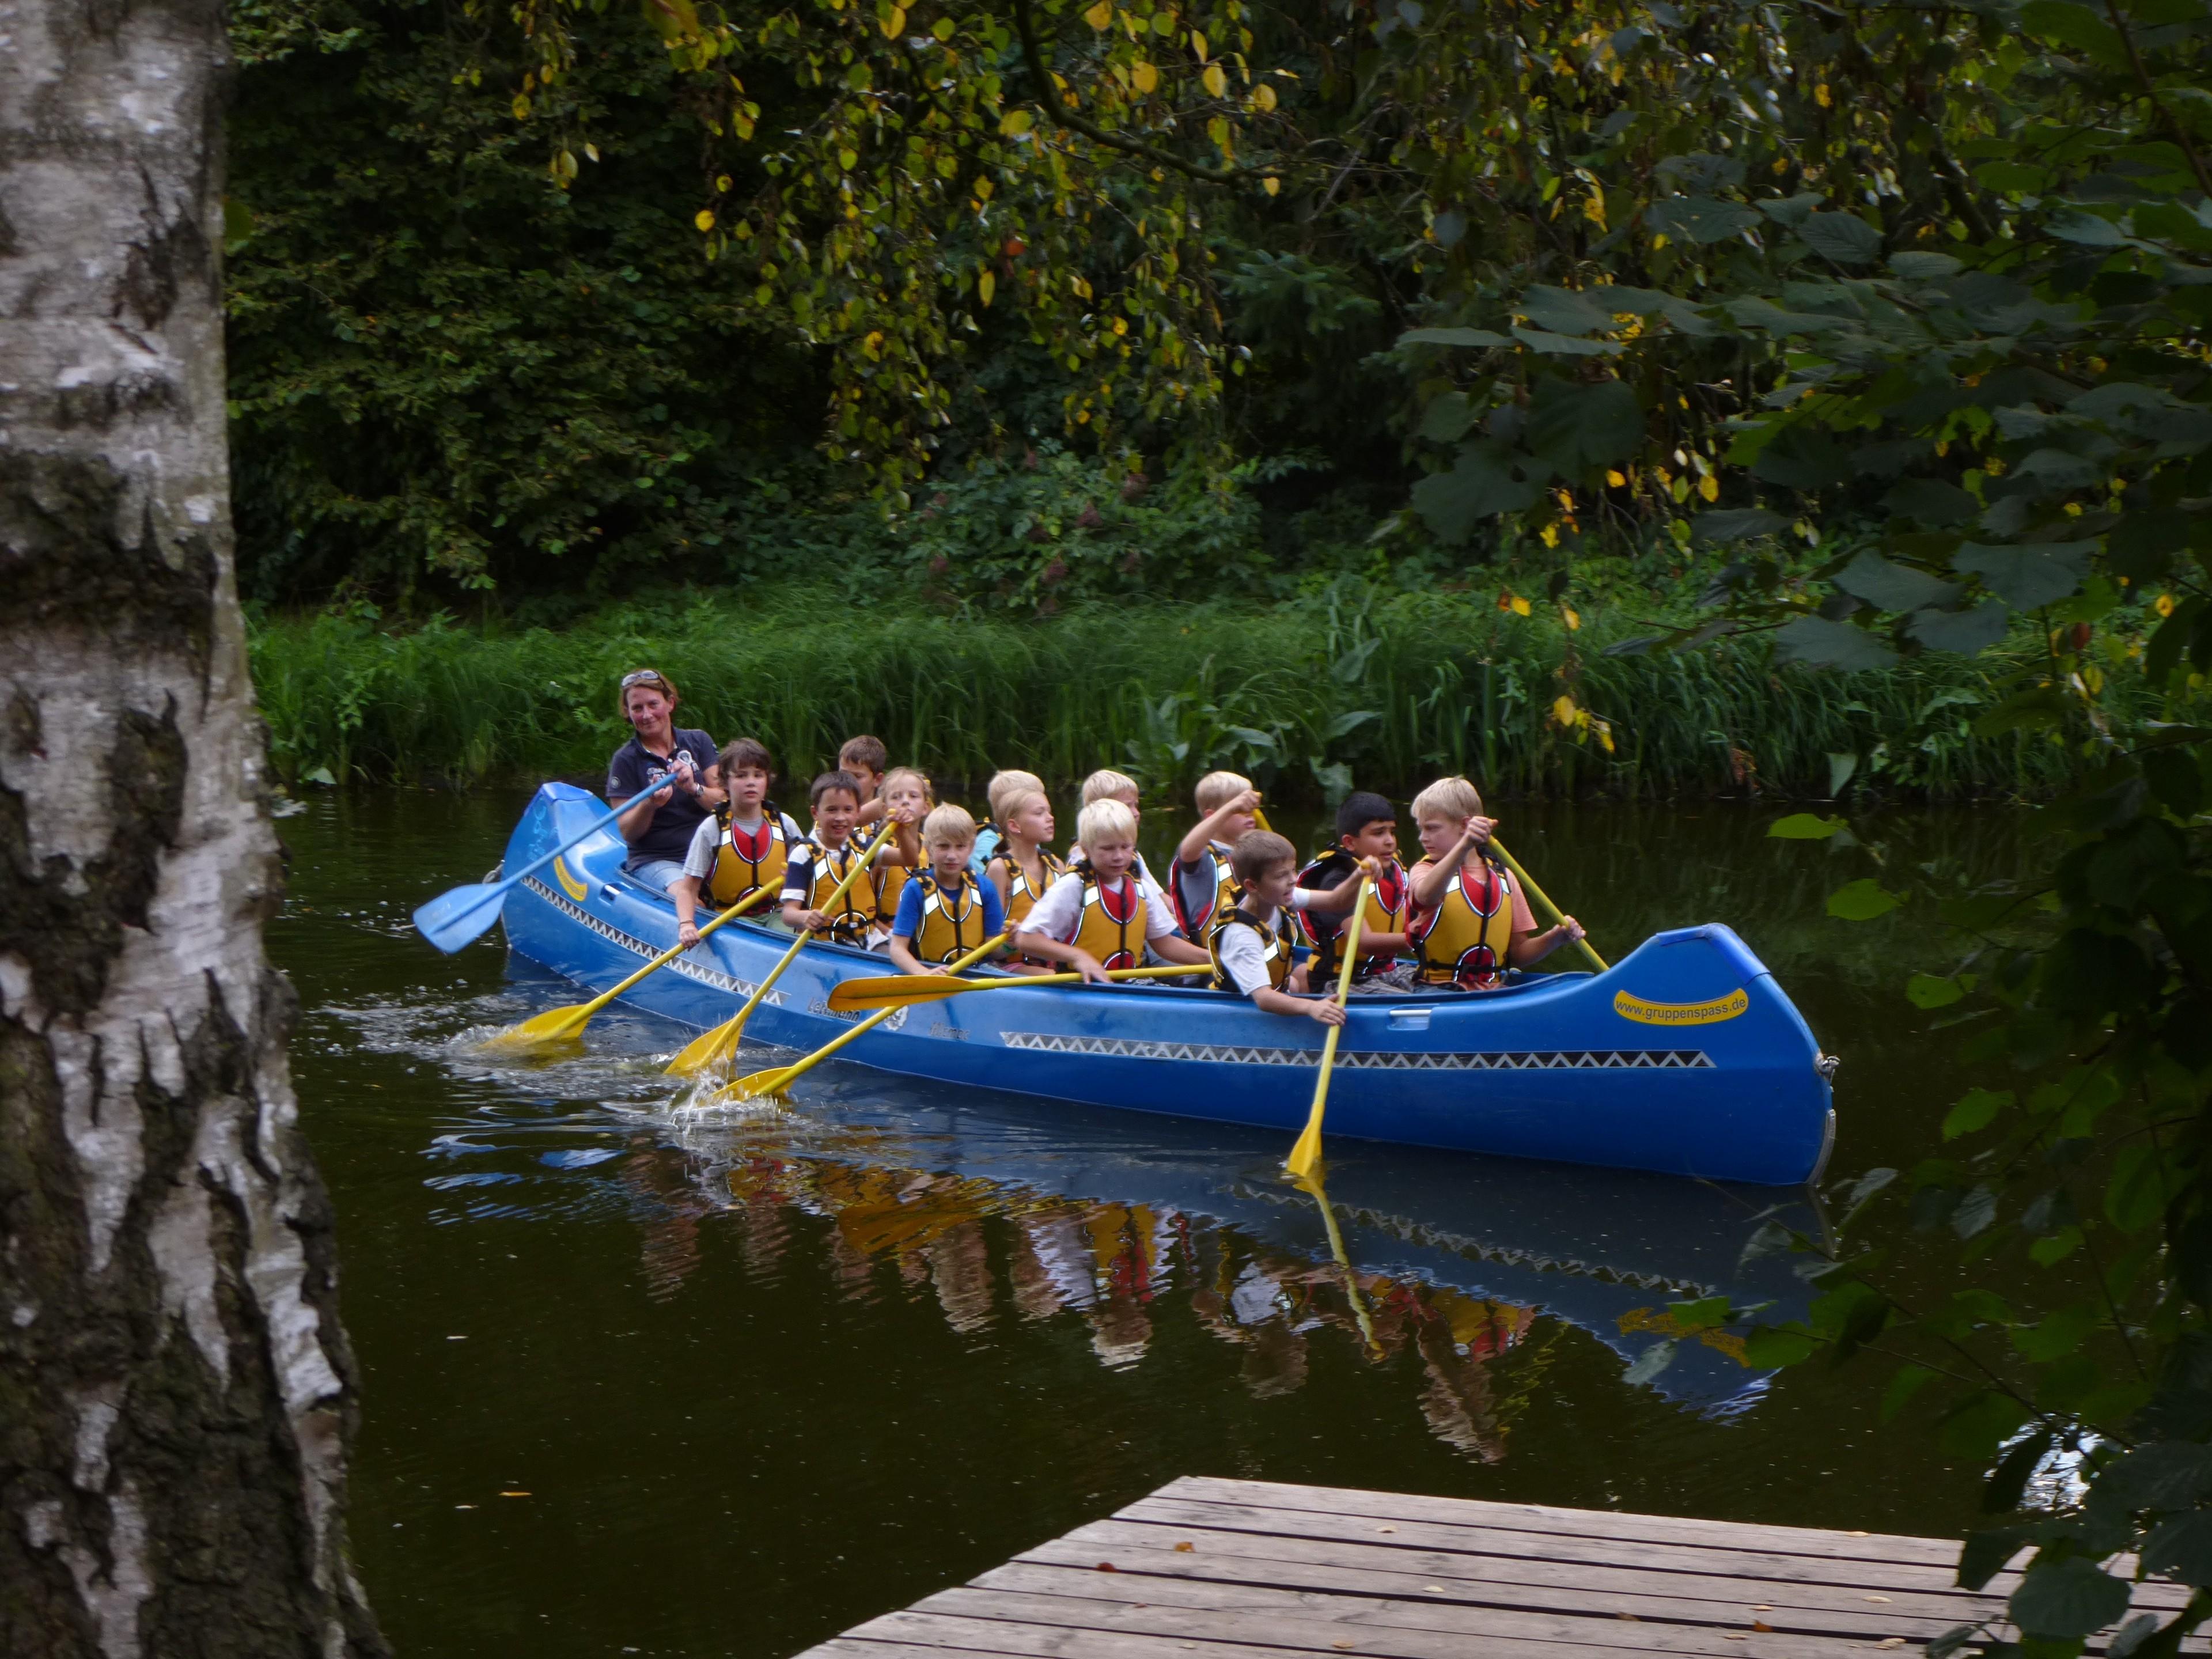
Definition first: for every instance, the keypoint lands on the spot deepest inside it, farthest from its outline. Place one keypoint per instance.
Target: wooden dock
(1251, 1569)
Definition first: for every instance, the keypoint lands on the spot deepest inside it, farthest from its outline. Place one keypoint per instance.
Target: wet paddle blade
(460, 915)
(704, 1050)
(753, 1087)
(557, 1028)
(1304, 1161)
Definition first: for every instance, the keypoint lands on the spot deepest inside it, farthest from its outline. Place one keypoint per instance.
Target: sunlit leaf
(1862, 901)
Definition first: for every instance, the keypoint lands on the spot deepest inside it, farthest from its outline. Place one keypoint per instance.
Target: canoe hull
(1685, 1058)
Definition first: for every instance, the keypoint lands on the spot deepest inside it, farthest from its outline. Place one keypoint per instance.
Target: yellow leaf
(1519, 606)
(1015, 123)
(521, 107)
(592, 150)
(1658, 242)
(894, 24)
(942, 28)
(1616, 477)
(1710, 488)
(1271, 185)
(704, 219)
(1263, 96)
(1564, 711)
(848, 159)
(1570, 615)
(1217, 83)
(722, 183)
(1198, 45)
(1550, 537)
(985, 286)
(1594, 210)
(2163, 604)
(1100, 14)
(1604, 730)
(1821, 95)
(1120, 324)
(1143, 77)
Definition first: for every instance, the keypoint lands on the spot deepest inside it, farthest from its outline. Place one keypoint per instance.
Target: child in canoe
(818, 866)
(744, 846)
(943, 911)
(1105, 910)
(1366, 834)
(1469, 922)
(1106, 784)
(990, 835)
(863, 759)
(1251, 950)
(906, 799)
(1199, 877)
(1024, 868)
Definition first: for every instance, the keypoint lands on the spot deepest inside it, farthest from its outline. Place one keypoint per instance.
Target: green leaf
(1735, 524)
(2074, 224)
(1843, 237)
(1578, 426)
(2061, 1600)
(1930, 500)
(1771, 1348)
(1987, 1553)
(1563, 311)
(1447, 418)
(1803, 826)
(1890, 587)
(1707, 1313)
(1822, 643)
(2055, 1335)
(2077, 26)
(1862, 901)
(1964, 632)
(1452, 336)
(1928, 992)
(1975, 1427)
(1565, 345)
(2000, 1493)
(1486, 480)
(1908, 1382)
(1976, 1108)
(1700, 218)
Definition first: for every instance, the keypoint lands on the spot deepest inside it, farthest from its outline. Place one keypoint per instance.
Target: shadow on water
(731, 1384)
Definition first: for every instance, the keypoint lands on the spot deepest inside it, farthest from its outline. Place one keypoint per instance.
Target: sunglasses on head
(644, 676)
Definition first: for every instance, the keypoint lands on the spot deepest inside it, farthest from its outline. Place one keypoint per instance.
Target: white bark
(174, 1389)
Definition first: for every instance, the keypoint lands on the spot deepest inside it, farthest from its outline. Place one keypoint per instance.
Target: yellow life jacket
(1200, 926)
(855, 913)
(950, 927)
(1112, 926)
(1385, 913)
(1463, 941)
(747, 860)
(1277, 954)
(1021, 897)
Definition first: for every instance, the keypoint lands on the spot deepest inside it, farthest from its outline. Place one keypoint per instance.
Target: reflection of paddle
(460, 914)
(559, 1025)
(1306, 1156)
(1311, 1186)
(1543, 899)
(900, 989)
(777, 1079)
(704, 1051)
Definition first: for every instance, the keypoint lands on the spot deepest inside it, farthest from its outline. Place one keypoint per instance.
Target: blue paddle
(460, 915)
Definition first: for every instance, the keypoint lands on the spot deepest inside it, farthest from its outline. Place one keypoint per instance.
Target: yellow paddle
(557, 1026)
(900, 989)
(1543, 899)
(777, 1079)
(704, 1051)
(1305, 1156)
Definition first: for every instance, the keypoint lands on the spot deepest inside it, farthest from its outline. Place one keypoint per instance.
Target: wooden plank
(1827, 1543)
(1528, 1584)
(942, 1632)
(1169, 1606)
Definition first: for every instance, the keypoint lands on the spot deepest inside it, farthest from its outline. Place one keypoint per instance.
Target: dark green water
(638, 1386)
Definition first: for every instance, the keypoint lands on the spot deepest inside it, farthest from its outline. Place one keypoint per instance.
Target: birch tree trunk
(176, 1395)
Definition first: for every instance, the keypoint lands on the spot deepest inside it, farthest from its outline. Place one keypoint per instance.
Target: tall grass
(1389, 688)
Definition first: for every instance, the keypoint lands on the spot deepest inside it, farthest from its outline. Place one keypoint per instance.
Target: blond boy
(1106, 911)
(1468, 922)
(1199, 879)
(945, 911)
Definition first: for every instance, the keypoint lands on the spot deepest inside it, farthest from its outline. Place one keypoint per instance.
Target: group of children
(941, 889)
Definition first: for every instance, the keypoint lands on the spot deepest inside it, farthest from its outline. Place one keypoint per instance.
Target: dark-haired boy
(1252, 947)
(865, 760)
(818, 864)
(1366, 829)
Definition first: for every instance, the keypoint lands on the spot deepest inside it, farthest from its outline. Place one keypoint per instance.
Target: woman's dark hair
(742, 753)
(829, 780)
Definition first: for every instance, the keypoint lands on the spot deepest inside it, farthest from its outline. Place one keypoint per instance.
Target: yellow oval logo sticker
(1680, 1013)
(575, 890)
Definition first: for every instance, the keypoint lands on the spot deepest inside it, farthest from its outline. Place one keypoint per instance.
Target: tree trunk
(176, 1395)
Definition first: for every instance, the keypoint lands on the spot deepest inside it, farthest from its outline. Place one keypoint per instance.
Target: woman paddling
(668, 772)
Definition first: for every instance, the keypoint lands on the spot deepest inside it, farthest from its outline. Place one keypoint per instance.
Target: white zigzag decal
(614, 935)
(1538, 1059)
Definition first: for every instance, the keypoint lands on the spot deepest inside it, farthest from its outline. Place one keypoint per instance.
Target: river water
(636, 1385)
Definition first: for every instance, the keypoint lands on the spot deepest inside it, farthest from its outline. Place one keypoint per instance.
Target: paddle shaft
(728, 1032)
(1305, 1155)
(904, 989)
(1544, 899)
(491, 894)
(784, 1076)
(751, 901)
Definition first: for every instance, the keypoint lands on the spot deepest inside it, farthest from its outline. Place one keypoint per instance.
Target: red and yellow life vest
(951, 926)
(1385, 913)
(1276, 954)
(748, 858)
(1022, 898)
(855, 913)
(1464, 940)
(1199, 927)
(1112, 926)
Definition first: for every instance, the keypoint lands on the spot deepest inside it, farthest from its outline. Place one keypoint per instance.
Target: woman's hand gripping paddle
(460, 915)
(777, 1079)
(1306, 1156)
(558, 1027)
(704, 1051)
(898, 990)
(1544, 899)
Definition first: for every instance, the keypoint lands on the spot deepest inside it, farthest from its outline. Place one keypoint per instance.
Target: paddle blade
(704, 1050)
(556, 1028)
(889, 990)
(460, 915)
(1304, 1161)
(753, 1087)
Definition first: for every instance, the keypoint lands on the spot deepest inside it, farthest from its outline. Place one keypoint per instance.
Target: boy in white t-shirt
(1104, 912)
(1252, 946)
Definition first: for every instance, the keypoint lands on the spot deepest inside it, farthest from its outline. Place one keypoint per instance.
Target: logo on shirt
(1680, 1013)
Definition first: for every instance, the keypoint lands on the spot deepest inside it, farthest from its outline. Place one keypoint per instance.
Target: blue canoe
(1685, 1058)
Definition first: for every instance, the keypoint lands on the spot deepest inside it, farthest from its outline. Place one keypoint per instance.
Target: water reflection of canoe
(1685, 1057)
(1463, 1249)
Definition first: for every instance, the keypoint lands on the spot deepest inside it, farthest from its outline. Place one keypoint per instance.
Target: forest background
(1646, 396)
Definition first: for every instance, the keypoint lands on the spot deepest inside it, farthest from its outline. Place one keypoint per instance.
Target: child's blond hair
(1105, 819)
(905, 773)
(1106, 783)
(948, 825)
(1016, 802)
(1004, 786)
(1217, 789)
(1447, 797)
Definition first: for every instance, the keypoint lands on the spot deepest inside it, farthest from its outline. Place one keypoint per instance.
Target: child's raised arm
(1206, 832)
(1432, 875)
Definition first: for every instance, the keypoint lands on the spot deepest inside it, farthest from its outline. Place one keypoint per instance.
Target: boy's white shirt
(699, 860)
(1245, 954)
(1059, 914)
